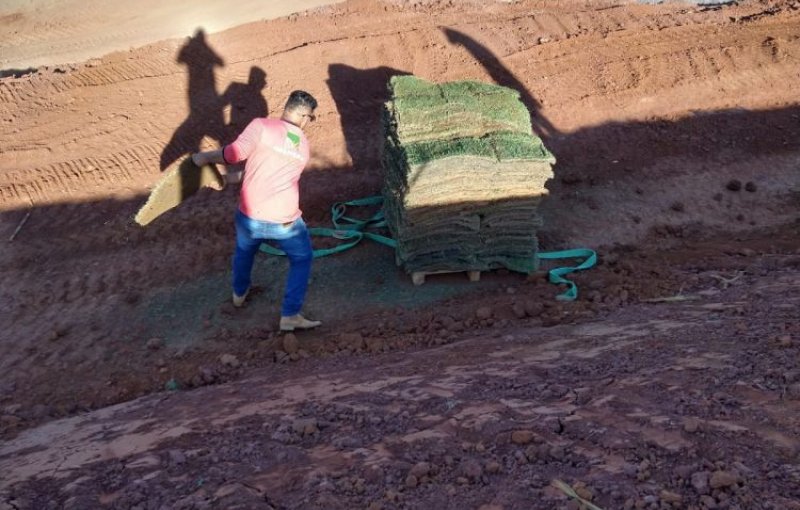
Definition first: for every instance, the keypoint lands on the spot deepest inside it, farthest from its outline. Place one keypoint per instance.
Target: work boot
(238, 301)
(297, 322)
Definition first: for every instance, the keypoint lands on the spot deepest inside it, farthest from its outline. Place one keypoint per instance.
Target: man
(275, 152)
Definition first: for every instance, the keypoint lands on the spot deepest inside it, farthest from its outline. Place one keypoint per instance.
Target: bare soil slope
(677, 134)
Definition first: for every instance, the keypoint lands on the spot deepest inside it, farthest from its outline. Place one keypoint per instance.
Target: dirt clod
(522, 437)
(155, 344)
(229, 360)
(420, 469)
(290, 343)
(722, 479)
(483, 313)
(734, 185)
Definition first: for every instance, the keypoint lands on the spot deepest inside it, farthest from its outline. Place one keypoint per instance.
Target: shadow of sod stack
(464, 176)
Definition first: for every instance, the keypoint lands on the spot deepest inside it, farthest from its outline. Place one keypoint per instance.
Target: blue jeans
(292, 238)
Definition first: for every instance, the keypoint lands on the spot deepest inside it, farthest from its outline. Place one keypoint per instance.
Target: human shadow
(246, 102)
(359, 95)
(205, 104)
(503, 76)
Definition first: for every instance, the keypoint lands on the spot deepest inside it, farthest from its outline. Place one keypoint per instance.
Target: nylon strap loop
(557, 275)
(353, 232)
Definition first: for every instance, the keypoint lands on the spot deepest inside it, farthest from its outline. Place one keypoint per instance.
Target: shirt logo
(293, 139)
(291, 146)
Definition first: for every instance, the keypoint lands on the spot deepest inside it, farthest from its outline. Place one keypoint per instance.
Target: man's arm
(204, 158)
(215, 157)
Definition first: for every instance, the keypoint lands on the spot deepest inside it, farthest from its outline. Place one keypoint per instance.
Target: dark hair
(300, 98)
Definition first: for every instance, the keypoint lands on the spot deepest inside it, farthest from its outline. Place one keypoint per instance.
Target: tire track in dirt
(75, 178)
(15, 92)
(549, 23)
(618, 72)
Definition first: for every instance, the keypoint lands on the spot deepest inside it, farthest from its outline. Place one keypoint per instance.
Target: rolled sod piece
(180, 181)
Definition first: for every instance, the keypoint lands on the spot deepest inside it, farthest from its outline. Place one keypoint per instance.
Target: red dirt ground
(671, 383)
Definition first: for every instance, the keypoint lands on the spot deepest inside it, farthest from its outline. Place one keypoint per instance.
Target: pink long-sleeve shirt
(276, 152)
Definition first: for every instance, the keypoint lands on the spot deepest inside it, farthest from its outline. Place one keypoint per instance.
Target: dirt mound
(487, 422)
(652, 112)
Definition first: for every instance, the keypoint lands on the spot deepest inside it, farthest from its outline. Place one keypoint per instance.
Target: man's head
(299, 109)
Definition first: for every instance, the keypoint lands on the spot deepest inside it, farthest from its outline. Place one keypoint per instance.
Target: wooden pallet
(418, 277)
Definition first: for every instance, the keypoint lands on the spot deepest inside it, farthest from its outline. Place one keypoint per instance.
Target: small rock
(700, 482)
(376, 345)
(483, 313)
(493, 467)
(533, 308)
(177, 457)
(420, 469)
(533, 453)
(671, 497)
(750, 186)
(519, 310)
(785, 341)
(208, 375)
(691, 425)
(155, 344)
(40, 411)
(305, 426)
(522, 436)
(734, 185)
(583, 491)
(411, 481)
(722, 479)
(290, 343)
(558, 452)
(9, 421)
(708, 502)
(471, 469)
(229, 360)
(352, 340)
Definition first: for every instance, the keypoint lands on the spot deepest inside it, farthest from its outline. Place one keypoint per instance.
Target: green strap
(376, 221)
(347, 229)
(352, 231)
(557, 275)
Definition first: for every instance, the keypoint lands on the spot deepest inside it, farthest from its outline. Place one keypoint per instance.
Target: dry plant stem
(570, 492)
(727, 281)
(22, 221)
(672, 299)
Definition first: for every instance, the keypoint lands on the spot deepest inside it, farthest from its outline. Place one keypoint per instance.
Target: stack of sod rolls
(464, 176)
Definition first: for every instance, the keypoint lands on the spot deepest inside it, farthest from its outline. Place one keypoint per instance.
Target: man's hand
(204, 158)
